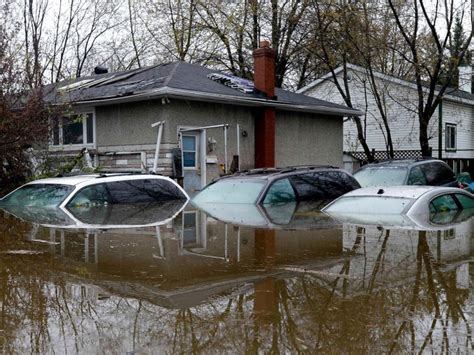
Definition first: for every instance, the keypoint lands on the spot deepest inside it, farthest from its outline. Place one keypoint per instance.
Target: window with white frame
(189, 150)
(73, 130)
(451, 132)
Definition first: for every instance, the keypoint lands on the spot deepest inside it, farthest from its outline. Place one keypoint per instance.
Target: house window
(73, 130)
(189, 151)
(451, 132)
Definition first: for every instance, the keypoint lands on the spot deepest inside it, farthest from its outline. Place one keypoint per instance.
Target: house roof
(178, 80)
(451, 94)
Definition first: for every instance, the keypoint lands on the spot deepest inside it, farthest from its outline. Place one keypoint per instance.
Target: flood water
(282, 281)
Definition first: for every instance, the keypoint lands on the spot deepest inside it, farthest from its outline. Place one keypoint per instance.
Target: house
(184, 117)
(454, 128)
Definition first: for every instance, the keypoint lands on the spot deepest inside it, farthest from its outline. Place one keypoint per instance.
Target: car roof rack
(283, 170)
(106, 173)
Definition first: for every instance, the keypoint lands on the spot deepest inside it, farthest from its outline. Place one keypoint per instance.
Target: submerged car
(305, 215)
(136, 215)
(430, 172)
(377, 203)
(95, 190)
(278, 185)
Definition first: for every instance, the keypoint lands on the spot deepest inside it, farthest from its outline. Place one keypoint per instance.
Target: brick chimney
(264, 80)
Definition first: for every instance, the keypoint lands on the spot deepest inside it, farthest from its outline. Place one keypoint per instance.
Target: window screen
(73, 131)
(450, 136)
(189, 151)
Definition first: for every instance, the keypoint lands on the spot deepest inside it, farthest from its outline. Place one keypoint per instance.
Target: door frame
(202, 131)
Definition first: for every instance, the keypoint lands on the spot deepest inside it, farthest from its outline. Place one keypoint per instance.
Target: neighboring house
(400, 102)
(193, 122)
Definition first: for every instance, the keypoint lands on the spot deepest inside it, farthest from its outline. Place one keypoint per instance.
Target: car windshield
(369, 204)
(42, 195)
(231, 191)
(386, 176)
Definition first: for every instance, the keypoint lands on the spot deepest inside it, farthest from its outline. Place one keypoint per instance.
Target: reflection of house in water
(192, 250)
(183, 262)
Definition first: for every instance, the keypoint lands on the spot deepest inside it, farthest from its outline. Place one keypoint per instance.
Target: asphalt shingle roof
(177, 77)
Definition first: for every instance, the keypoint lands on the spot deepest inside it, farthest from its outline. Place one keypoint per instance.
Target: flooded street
(281, 280)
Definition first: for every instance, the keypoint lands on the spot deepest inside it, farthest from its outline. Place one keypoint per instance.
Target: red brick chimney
(264, 80)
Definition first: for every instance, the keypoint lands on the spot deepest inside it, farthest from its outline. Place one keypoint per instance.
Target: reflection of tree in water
(392, 318)
(44, 308)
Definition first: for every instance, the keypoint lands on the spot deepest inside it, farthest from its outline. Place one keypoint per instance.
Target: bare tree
(34, 13)
(239, 28)
(61, 40)
(331, 44)
(423, 27)
(98, 18)
(174, 33)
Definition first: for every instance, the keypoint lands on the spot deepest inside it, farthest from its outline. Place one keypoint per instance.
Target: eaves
(219, 98)
(404, 83)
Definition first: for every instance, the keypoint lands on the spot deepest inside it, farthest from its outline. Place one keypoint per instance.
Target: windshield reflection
(298, 282)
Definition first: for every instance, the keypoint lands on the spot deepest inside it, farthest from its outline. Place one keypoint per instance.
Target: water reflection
(100, 217)
(299, 282)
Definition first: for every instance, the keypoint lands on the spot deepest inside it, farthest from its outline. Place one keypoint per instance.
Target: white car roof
(66, 180)
(95, 178)
(406, 191)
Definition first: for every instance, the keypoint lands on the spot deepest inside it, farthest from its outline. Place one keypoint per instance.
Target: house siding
(462, 117)
(126, 128)
(308, 139)
(400, 103)
(401, 106)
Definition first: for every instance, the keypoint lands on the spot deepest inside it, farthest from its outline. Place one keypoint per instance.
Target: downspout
(440, 130)
(158, 143)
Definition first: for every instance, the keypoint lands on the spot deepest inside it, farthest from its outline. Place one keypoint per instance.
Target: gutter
(226, 99)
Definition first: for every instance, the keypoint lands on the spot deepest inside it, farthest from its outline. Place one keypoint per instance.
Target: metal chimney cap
(100, 70)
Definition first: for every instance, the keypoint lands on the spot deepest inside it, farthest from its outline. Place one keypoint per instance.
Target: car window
(231, 191)
(444, 203)
(465, 201)
(280, 191)
(127, 191)
(94, 195)
(41, 195)
(322, 185)
(381, 176)
(416, 177)
(349, 181)
(437, 174)
(369, 204)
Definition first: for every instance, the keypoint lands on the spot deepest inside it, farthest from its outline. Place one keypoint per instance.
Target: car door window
(280, 191)
(130, 191)
(416, 177)
(444, 203)
(146, 190)
(94, 195)
(321, 185)
(437, 174)
(350, 183)
(465, 201)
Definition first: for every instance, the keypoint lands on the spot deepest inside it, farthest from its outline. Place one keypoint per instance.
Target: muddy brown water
(194, 284)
